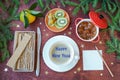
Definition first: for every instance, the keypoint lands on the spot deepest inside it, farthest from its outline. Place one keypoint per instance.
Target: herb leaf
(26, 22)
(36, 13)
(33, 6)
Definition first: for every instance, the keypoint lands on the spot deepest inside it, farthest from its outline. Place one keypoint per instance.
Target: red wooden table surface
(77, 72)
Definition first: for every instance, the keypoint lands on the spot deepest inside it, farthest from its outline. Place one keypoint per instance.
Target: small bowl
(61, 54)
(53, 28)
(86, 30)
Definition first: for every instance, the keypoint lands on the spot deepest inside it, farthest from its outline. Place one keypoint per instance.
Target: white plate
(49, 44)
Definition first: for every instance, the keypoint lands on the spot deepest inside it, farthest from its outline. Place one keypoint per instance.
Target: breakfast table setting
(59, 40)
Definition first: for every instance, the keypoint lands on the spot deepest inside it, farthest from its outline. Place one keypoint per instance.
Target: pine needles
(7, 14)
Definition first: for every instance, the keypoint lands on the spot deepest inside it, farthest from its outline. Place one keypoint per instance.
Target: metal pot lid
(98, 19)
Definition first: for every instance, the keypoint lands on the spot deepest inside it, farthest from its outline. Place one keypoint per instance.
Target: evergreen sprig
(7, 15)
(113, 46)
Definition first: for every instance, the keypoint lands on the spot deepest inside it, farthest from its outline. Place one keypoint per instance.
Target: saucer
(60, 39)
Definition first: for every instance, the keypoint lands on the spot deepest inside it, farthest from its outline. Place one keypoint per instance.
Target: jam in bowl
(86, 30)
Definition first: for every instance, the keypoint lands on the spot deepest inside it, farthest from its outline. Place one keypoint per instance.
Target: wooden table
(77, 72)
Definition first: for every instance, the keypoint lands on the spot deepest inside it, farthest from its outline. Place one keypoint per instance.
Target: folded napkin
(12, 61)
(92, 60)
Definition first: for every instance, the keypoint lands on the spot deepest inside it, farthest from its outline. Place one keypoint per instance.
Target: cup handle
(76, 20)
(98, 39)
(77, 57)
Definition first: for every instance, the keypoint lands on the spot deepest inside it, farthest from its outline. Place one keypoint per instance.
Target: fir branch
(95, 2)
(62, 2)
(70, 3)
(76, 10)
(26, 1)
(53, 2)
(5, 33)
(40, 2)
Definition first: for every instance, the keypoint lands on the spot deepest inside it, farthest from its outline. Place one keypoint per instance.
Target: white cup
(61, 54)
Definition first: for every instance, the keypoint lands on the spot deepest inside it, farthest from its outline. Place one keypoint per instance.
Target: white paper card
(92, 60)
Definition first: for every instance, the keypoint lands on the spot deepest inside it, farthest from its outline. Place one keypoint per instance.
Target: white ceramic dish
(73, 60)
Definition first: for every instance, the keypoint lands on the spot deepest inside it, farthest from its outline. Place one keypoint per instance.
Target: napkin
(92, 60)
(12, 61)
